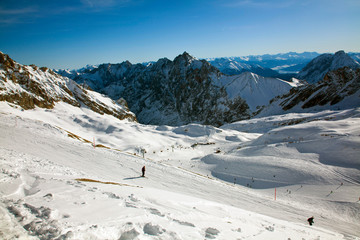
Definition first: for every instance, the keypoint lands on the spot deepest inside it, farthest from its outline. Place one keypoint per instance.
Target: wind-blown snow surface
(189, 192)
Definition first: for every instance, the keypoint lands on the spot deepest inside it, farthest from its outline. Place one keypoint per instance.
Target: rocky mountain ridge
(339, 89)
(168, 92)
(282, 65)
(317, 68)
(31, 86)
(184, 90)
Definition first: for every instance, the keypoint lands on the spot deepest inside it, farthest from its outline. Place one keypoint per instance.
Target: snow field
(189, 192)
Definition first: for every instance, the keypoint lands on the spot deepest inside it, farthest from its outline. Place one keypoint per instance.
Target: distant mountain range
(279, 65)
(185, 90)
(283, 65)
(168, 92)
(189, 90)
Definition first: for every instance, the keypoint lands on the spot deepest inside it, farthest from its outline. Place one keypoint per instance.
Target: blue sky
(71, 34)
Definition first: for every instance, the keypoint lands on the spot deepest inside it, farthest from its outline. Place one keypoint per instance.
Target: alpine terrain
(71, 159)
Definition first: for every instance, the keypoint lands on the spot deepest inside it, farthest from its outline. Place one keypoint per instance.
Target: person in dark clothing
(311, 221)
(143, 171)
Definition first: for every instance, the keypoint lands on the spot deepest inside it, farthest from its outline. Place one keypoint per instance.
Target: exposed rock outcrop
(31, 86)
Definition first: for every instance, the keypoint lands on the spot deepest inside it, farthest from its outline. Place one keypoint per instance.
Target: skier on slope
(143, 171)
(311, 221)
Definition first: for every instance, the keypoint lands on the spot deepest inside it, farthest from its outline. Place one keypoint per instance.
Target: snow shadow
(130, 178)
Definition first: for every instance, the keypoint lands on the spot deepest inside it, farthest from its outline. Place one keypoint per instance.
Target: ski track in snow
(187, 193)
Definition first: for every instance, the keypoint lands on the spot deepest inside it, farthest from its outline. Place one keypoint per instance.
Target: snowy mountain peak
(184, 60)
(185, 55)
(341, 59)
(250, 75)
(255, 89)
(316, 69)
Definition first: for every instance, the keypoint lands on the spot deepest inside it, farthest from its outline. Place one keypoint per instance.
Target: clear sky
(73, 33)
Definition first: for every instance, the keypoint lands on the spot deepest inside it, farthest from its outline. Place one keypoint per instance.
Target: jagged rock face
(169, 92)
(319, 66)
(30, 86)
(334, 88)
(22, 85)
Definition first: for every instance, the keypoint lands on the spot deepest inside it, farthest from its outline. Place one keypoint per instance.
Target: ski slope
(201, 182)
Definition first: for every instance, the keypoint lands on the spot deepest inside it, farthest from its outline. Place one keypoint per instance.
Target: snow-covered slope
(355, 56)
(30, 86)
(255, 89)
(315, 70)
(202, 182)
